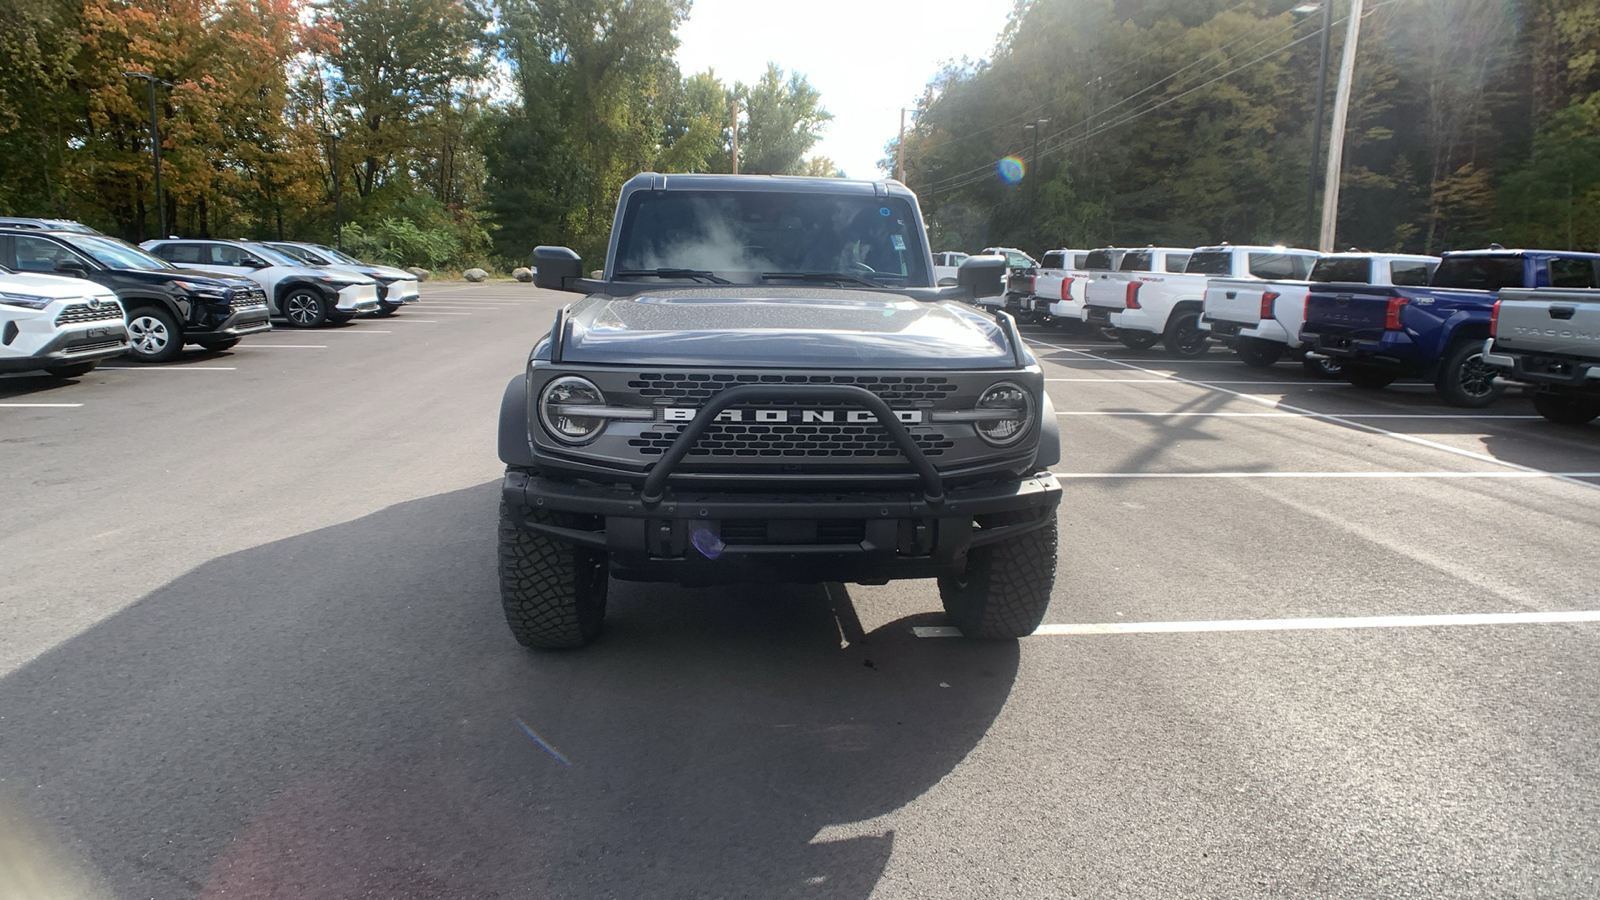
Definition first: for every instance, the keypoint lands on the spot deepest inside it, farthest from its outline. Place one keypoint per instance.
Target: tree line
(1182, 122)
(451, 132)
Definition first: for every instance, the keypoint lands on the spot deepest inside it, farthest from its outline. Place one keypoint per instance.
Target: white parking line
(40, 405)
(1343, 420)
(416, 321)
(326, 332)
(1336, 384)
(1495, 474)
(1295, 415)
(1325, 624)
(168, 369)
(436, 312)
(256, 346)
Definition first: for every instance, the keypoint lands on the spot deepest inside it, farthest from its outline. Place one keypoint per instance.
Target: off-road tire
(154, 335)
(1465, 380)
(553, 592)
(1183, 337)
(217, 345)
(1367, 378)
(1259, 354)
(72, 370)
(1566, 409)
(1137, 340)
(1005, 590)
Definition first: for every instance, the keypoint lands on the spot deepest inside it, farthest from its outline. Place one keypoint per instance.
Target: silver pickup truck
(1550, 339)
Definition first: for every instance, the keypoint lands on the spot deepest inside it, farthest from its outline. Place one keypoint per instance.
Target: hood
(162, 276)
(775, 326)
(53, 286)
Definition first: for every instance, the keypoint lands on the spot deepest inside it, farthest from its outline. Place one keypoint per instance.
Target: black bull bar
(654, 490)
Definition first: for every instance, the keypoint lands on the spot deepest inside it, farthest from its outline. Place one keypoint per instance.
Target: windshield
(116, 254)
(273, 256)
(1478, 273)
(300, 254)
(338, 256)
(739, 235)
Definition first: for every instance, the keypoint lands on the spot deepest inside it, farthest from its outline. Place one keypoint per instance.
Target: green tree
(784, 120)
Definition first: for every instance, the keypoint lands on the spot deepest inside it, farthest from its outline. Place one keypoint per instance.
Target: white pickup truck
(1055, 267)
(1261, 319)
(1139, 299)
(1550, 338)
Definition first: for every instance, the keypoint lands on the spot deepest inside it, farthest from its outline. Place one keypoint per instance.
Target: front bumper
(725, 537)
(28, 350)
(358, 298)
(239, 322)
(399, 293)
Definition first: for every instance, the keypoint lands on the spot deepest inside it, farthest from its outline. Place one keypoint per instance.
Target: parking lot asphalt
(1306, 640)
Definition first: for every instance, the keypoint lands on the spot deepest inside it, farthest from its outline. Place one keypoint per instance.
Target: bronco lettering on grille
(803, 416)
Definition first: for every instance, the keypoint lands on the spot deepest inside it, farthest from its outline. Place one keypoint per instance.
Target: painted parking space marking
(1501, 473)
(40, 405)
(1346, 421)
(327, 332)
(168, 369)
(1323, 624)
(415, 321)
(256, 346)
(1293, 415)
(1332, 384)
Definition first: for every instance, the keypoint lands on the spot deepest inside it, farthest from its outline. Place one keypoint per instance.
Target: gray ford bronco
(767, 386)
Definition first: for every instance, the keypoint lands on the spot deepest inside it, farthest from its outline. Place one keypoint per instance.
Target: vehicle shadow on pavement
(344, 713)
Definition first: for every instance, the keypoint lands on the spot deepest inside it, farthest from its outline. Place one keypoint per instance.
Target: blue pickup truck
(1381, 333)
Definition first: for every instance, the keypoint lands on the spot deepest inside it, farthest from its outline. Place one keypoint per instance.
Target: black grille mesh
(894, 389)
(790, 441)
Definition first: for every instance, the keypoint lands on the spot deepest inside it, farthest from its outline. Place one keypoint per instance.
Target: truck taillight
(1033, 283)
(1391, 319)
(1066, 288)
(1268, 298)
(1131, 299)
(1494, 320)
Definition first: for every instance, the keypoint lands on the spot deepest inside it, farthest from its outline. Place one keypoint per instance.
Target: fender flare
(282, 289)
(133, 302)
(1049, 452)
(515, 449)
(1475, 327)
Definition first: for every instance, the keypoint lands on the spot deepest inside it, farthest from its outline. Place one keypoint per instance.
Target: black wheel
(1137, 340)
(554, 592)
(216, 345)
(1005, 590)
(153, 335)
(1465, 379)
(388, 309)
(304, 307)
(1259, 354)
(1323, 367)
(72, 371)
(1183, 337)
(1566, 409)
(1371, 379)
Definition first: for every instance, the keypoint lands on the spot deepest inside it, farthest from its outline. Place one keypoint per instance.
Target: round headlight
(1015, 408)
(570, 390)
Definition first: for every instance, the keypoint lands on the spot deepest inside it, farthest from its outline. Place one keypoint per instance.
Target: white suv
(396, 287)
(64, 326)
(303, 295)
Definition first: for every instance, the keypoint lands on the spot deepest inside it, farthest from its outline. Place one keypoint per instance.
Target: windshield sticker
(884, 211)
(898, 241)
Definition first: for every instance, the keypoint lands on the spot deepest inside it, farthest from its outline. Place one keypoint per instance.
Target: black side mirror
(983, 276)
(71, 268)
(556, 268)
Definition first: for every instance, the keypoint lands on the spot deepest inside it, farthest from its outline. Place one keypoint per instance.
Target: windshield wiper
(835, 277)
(671, 273)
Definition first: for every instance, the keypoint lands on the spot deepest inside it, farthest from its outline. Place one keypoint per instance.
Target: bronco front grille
(790, 441)
(83, 312)
(896, 390)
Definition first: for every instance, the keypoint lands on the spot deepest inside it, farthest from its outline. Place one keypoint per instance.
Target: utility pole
(155, 146)
(1033, 163)
(1316, 126)
(736, 135)
(900, 150)
(1341, 111)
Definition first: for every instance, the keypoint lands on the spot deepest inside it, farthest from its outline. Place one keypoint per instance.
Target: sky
(868, 58)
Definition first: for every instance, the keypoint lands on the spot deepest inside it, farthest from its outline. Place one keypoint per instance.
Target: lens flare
(1011, 170)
